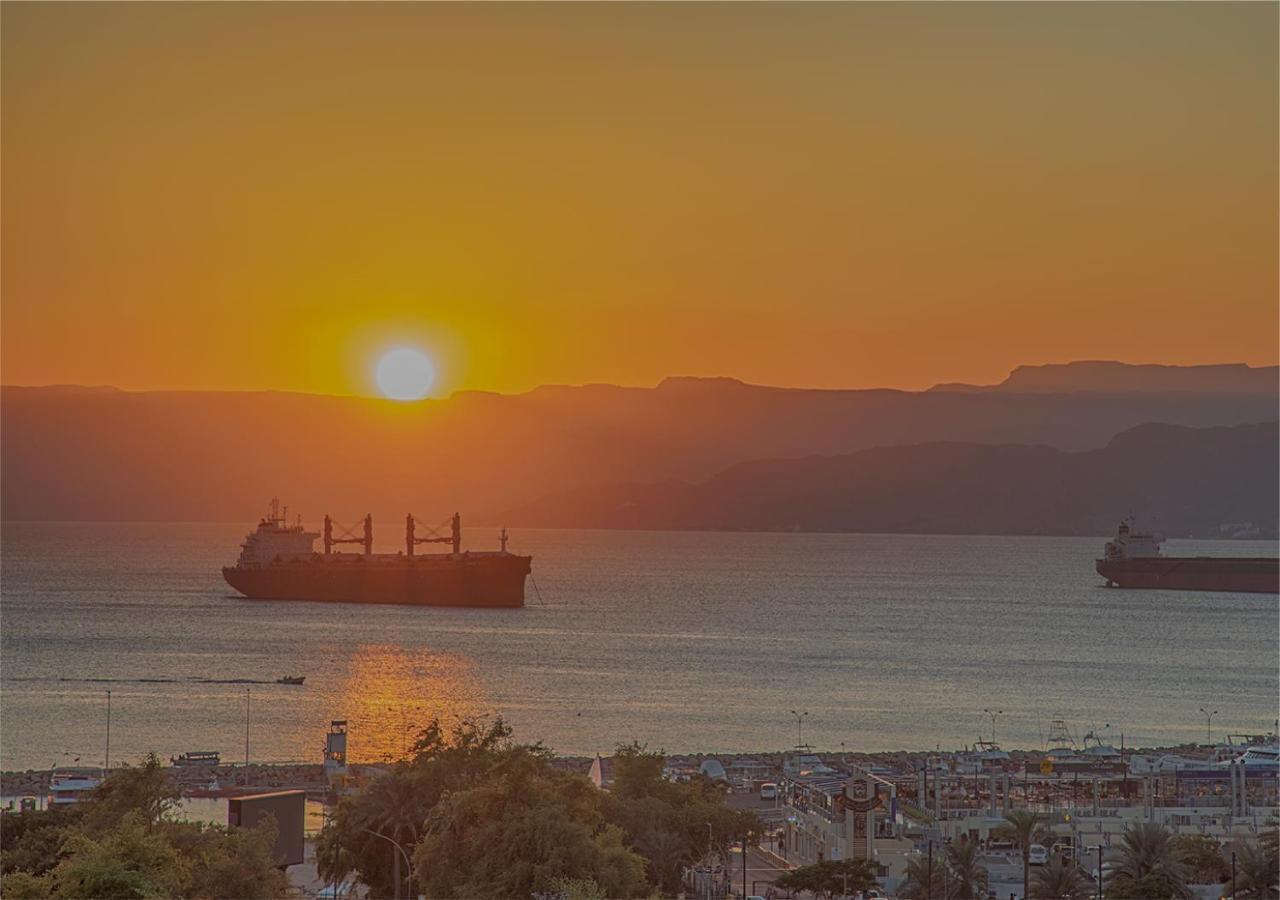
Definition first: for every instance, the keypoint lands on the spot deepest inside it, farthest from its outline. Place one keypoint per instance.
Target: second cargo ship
(1134, 560)
(278, 561)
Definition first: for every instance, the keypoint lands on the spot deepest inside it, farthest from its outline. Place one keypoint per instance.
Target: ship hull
(489, 581)
(1194, 573)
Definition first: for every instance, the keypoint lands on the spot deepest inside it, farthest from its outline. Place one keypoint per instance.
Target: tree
(970, 879)
(1021, 826)
(25, 886)
(229, 863)
(666, 821)
(126, 863)
(828, 877)
(577, 889)
(121, 842)
(921, 881)
(32, 841)
(398, 804)
(521, 831)
(1257, 871)
(1059, 879)
(147, 790)
(1147, 865)
(1202, 857)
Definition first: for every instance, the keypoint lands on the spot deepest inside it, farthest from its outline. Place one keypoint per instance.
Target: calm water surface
(681, 641)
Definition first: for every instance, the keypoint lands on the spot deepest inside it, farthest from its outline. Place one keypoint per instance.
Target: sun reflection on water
(391, 693)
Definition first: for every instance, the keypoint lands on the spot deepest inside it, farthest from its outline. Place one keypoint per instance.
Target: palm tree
(1021, 826)
(970, 878)
(916, 883)
(395, 813)
(1147, 861)
(1059, 880)
(1257, 871)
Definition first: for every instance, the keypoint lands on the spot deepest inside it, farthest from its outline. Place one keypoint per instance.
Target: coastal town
(878, 816)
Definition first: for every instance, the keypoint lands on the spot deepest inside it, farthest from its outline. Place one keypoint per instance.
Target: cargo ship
(278, 561)
(1134, 560)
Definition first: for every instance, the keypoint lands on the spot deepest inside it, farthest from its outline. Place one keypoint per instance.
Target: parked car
(1037, 855)
(768, 791)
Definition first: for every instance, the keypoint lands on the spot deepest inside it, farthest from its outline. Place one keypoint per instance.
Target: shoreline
(311, 777)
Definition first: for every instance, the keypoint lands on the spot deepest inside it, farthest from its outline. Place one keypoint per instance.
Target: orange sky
(263, 196)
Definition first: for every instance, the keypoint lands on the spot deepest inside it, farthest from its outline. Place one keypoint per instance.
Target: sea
(682, 642)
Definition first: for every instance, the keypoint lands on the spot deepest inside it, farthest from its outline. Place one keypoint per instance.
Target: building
(601, 773)
(840, 816)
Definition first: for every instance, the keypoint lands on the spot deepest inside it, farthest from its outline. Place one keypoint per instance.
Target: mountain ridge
(1195, 480)
(111, 455)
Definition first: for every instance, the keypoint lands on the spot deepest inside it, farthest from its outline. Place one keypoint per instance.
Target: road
(763, 866)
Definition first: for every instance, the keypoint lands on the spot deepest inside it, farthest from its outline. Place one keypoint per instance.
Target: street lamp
(407, 863)
(799, 727)
(993, 713)
(107, 766)
(1208, 724)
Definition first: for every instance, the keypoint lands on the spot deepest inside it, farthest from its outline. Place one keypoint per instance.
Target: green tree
(32, 841)
(1147, 865)
(921, 880)
(229, 863)
(828, 877)
(1021, 826)
(969, 878)
(1059, 879)
(398, 804)
(147, 790)
(1202, 858)
(127, 862)
(519, 832)
(667, 822)
(578, 889)
(25, 886)
(1257, 871)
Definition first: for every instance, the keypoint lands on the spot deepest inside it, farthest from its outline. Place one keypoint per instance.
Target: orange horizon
(648, 386)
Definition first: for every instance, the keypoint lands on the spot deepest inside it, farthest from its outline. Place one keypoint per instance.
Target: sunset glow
(405, 374)
(620, 192)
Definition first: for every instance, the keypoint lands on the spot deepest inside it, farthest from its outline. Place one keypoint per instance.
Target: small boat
(291, 679)
(197, 758)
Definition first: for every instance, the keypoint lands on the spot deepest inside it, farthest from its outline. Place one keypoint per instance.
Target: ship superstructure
(1134, 560)
(278, 561)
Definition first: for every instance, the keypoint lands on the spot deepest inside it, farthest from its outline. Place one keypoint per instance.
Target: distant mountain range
(1192, 481)
(1124, 378)
(100, 454)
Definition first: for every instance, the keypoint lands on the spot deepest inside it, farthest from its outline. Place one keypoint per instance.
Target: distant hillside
(1190, 480)
(102, 454)
(1121, 378)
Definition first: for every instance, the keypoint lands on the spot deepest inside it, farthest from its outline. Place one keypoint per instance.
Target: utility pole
(246, 735)
(107, 766)
(744, 866)
(1099, 872)
(1233, 875)
(928, 890)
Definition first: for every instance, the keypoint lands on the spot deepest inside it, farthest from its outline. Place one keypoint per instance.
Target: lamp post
(799, 727)
(408, 864)
(1233, 875)
(1208, 724)
(107, 766)
(928, 890)
(993, 713)
(1099, 872)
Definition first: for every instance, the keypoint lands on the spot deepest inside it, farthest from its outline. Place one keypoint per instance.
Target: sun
(405, 374)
